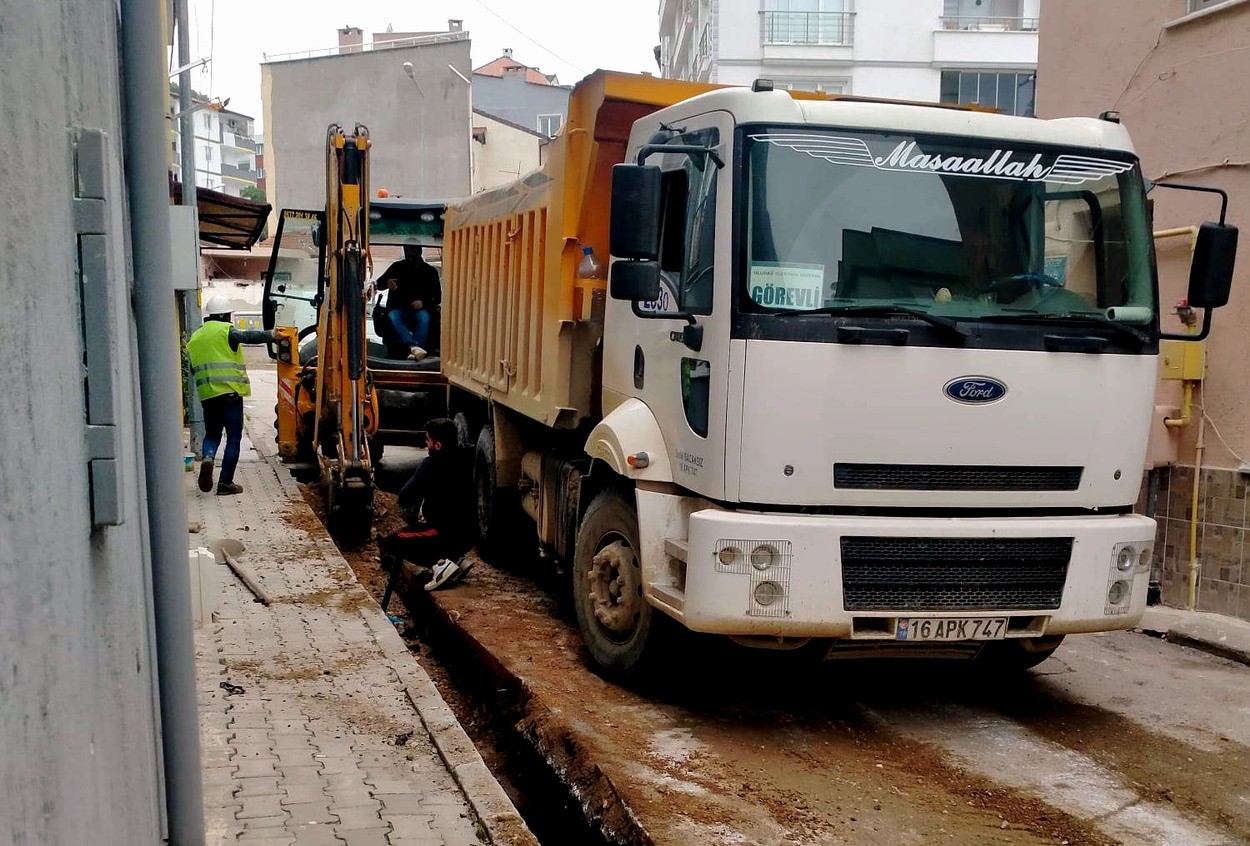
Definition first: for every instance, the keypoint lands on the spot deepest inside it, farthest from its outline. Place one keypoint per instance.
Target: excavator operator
(414, 295)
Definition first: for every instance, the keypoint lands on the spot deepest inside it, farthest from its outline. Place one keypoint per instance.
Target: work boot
(206, 475)
(228, 488)
(417, 353)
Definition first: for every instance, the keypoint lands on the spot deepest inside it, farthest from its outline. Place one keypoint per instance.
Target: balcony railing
(977, 23)
(832, 28)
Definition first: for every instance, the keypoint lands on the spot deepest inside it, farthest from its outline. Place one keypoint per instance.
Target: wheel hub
(614, 584)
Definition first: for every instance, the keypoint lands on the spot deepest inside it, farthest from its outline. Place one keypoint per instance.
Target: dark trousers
(223, 412)
(422, 547)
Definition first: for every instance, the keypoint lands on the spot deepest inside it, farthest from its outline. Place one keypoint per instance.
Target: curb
(1197, 642)
(503, 823)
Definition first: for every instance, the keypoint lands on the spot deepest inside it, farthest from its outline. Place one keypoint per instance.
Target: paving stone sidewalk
(320, 742)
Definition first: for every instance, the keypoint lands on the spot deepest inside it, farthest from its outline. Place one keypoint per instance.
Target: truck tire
(499, 524)
(617, 624)
(1018, 654)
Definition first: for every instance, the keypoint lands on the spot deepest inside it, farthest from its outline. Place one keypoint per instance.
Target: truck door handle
(1078, 343)
(865, 335)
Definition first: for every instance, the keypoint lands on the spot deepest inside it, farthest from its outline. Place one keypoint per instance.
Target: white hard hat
(217, 304)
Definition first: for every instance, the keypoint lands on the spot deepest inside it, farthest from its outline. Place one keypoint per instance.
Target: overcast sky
(577, 36)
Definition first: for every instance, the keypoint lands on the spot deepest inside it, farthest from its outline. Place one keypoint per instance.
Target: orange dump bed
(519, 327)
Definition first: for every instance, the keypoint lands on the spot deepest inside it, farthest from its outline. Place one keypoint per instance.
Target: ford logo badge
(975, 390)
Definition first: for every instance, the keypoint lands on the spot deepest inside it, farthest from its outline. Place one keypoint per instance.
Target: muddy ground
(1117, 739)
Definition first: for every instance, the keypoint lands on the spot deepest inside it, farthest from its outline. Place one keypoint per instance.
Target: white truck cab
(900, 367)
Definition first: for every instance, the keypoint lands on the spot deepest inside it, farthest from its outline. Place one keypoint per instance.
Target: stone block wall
(1223, 519)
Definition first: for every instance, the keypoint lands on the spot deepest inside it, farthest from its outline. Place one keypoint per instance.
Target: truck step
(677, 548)
(670, 596)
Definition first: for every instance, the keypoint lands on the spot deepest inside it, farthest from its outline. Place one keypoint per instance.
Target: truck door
(686, 388)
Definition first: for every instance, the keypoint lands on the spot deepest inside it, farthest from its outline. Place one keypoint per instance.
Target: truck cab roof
(785, 108)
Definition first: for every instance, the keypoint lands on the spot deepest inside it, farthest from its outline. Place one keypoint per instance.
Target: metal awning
(226, 221)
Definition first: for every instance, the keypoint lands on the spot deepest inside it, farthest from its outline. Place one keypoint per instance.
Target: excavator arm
(346, 405)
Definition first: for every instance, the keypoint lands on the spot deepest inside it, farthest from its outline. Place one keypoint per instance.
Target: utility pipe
(146, 88)
(1191, 231)
(1187, 407)
(191, 319)
(1193, 517)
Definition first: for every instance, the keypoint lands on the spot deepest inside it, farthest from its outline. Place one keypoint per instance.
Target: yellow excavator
(327, 408)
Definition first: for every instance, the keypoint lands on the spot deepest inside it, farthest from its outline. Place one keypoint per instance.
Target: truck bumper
(856, 577)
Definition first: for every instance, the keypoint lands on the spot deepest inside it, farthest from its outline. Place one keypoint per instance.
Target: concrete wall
(1173, 79)
(79, 757)
(507, 153)
(420, 143)
(513, 99)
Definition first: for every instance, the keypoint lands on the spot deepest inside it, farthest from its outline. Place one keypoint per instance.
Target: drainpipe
(1193, 517)
(146, 87)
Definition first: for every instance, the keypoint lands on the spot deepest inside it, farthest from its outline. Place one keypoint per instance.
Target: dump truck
(864, 377)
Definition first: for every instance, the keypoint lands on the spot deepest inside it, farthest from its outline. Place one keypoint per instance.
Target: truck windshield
(888, 223)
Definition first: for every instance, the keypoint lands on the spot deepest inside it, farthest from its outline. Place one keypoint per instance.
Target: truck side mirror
(637, 281)
(316, 235)
(635, 213)
(1211, 273)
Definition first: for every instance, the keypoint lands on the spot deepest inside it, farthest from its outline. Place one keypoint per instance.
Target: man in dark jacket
(441, 492)
(414, 296)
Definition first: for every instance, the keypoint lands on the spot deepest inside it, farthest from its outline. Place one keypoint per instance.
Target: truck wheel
(498, 509)
(1018, 654)
(616, 622)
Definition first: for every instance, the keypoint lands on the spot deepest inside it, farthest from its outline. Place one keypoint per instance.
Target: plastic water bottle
(589, 267)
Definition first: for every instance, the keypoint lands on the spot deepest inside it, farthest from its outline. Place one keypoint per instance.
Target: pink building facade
(1175, 71)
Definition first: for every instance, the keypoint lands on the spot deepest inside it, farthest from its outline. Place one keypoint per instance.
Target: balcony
(1005, 43)
(238, 174)
(834, 29)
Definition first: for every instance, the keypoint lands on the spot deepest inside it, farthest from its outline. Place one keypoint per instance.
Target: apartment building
(225, 147)
(957, 51)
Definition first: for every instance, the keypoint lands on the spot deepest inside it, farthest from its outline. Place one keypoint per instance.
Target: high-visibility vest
(217, 368)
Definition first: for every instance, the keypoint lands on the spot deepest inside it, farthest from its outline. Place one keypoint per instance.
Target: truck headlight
(764, 556)
(1118, 592)
(766, 593)
(1126, 558)
(729, 556)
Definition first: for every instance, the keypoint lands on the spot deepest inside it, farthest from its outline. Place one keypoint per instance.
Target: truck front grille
(954, 574)
(954, 477)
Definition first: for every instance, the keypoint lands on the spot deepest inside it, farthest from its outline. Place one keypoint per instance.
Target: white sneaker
(443, 572)
(417, 354)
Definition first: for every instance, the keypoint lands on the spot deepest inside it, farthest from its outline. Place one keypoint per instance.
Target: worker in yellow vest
(216, 354)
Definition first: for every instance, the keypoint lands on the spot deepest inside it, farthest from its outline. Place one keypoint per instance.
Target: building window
(549, 125)
(986, 16)
(1199, 5)
(208, 153)
(1010, 92)
(208, 121)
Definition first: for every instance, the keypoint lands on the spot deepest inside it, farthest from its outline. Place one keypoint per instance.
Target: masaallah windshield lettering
(1066, 168)
(999, 163)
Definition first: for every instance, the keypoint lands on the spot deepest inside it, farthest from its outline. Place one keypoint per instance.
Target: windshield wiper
(1120, 330)
(885, 311)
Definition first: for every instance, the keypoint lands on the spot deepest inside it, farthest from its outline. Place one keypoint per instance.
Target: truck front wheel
(616, 622)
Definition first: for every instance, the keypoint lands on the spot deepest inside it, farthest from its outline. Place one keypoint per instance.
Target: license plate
(951, 628)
